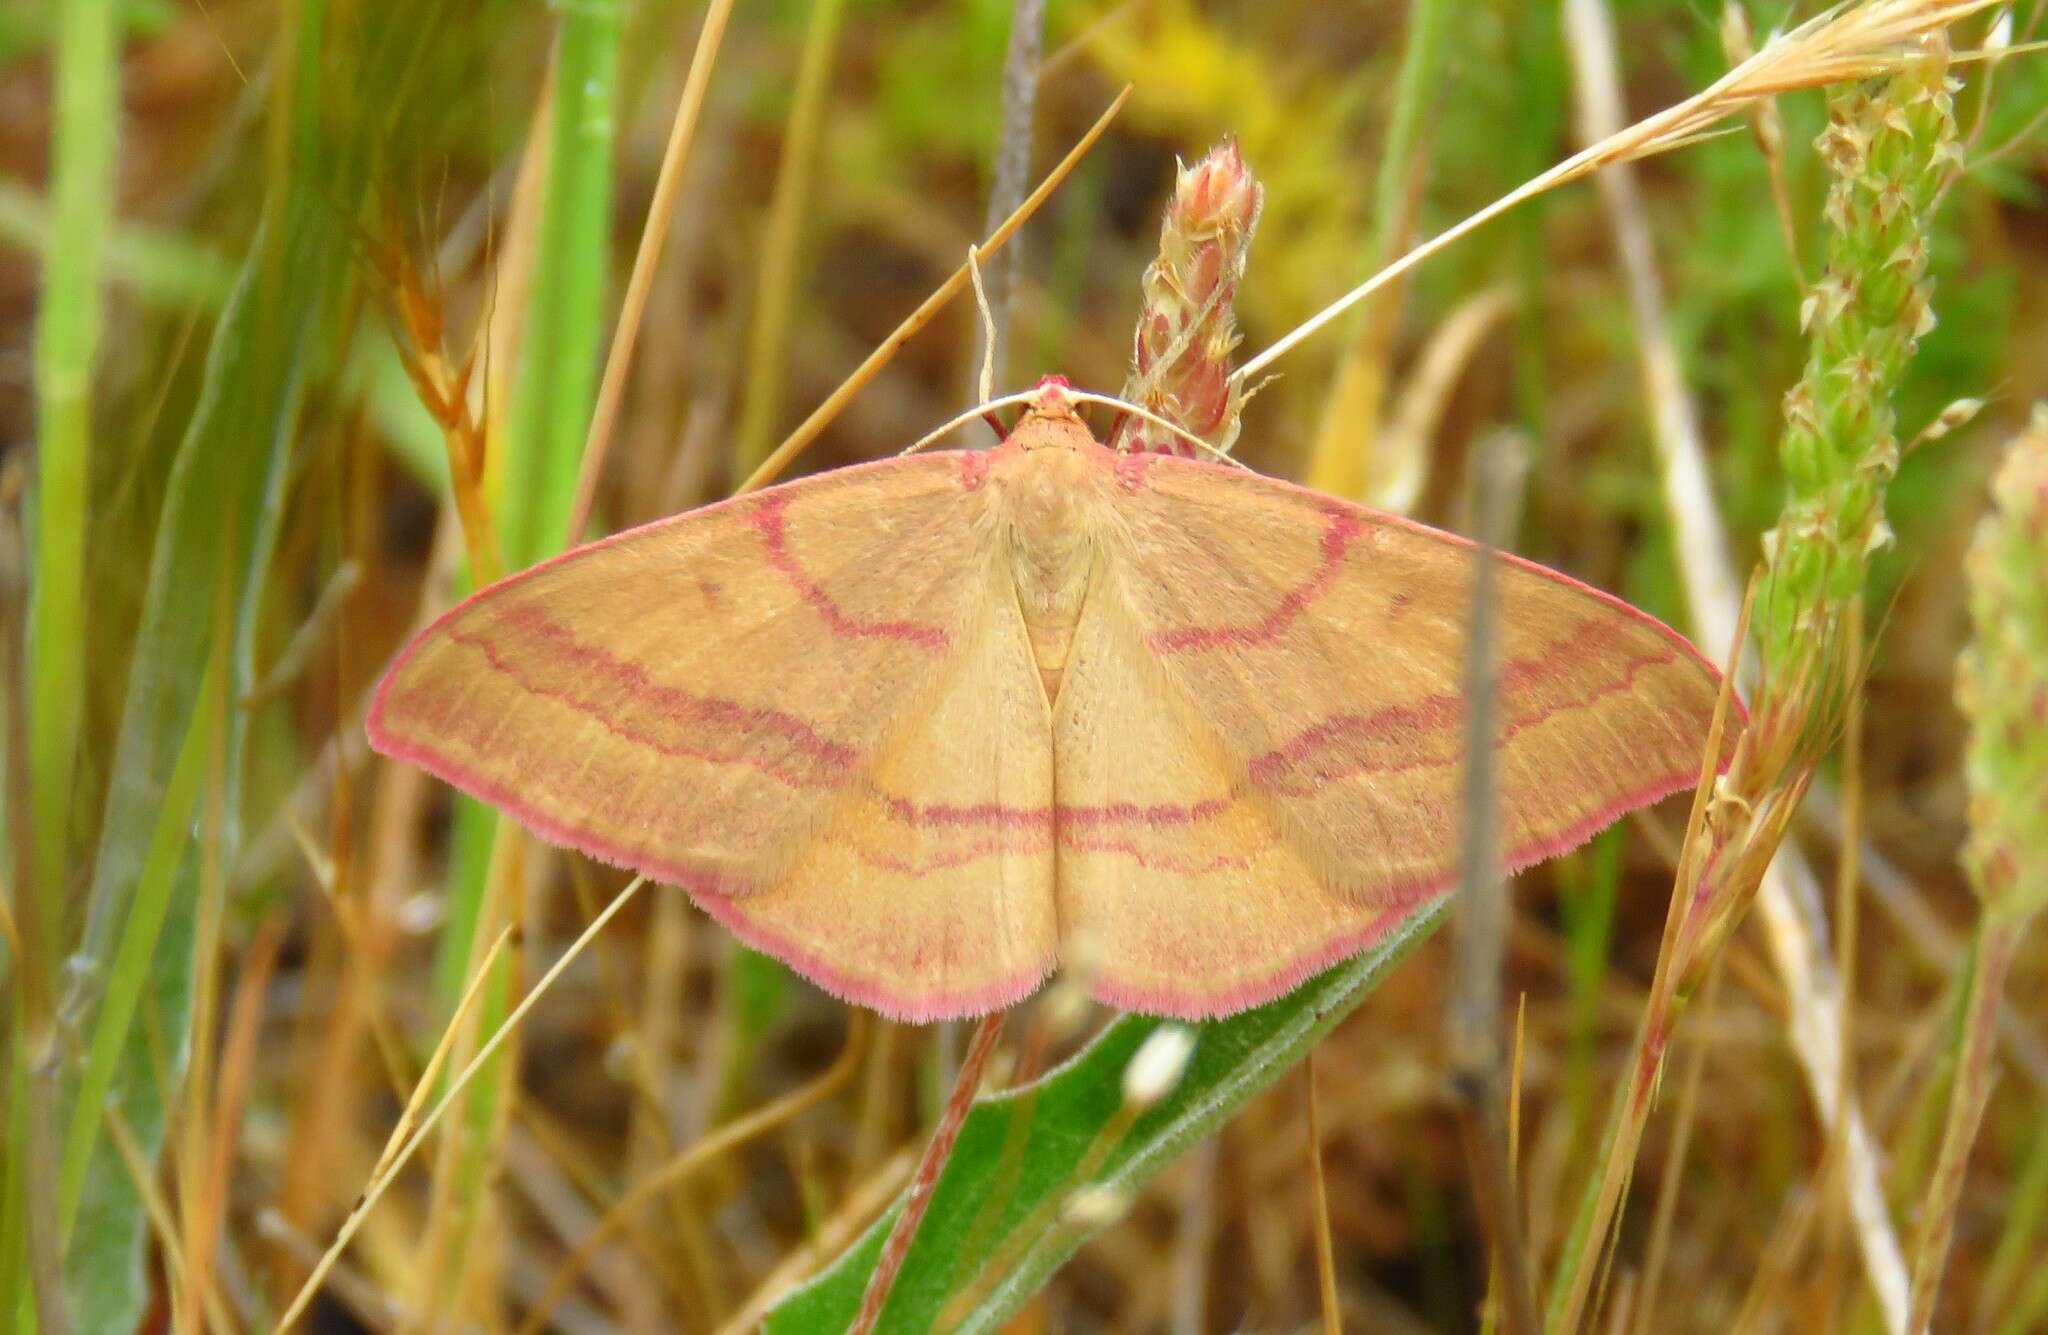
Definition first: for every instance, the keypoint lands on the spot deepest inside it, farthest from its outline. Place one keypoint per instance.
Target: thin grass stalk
(83, 135)
(936, 1152)
(1838, 1180)
(782, 235)
(1767, 126)
(165, 1226)
(465, 1158)
(1194, 1238)
(1671, 1181)
(1780, 1257)
(1844, 43)
(1997, 941)
(195, 1117)
(1010, 172)
(50, 670)
(396, 1162)
(128, 966)
(1586, 1244)
(651, 1140)
(552, 395)
(693, 1159)
(548, 418)
(1471, 1014)
(31, 1235)
(1491, 1309)
(208, 1180)
(1319, 1194)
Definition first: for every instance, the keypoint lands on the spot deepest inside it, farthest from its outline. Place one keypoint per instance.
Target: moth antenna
(984, 410)
(1125, 406)
(988, 326)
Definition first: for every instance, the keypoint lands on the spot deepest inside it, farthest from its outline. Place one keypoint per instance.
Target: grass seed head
(2002, 685)
(1187, 330)
(1889, 148)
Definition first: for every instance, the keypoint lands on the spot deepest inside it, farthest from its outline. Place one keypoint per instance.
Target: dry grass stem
(1326, 1252)
(1767, 124)
(1472, 1012)
(653, 235)
(1847, 43)
(1011, 170)
(809, 429)
(1664, 1214)
(861, 1204)
(775, 270)
(382, 1181)
(692, 1160)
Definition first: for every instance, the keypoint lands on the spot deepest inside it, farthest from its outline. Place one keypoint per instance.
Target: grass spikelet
(2002, 687)
(1187, 329)
(1889, 148)
(1889, 151)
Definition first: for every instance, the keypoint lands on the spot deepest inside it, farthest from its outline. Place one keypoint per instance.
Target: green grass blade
(219, 524)
(83, 139)
(1069, 1108)
(129, 972)
(565, 321)
(552, 396)
(549, 419)
(216, 532)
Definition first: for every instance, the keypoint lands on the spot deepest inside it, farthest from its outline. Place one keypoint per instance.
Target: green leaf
(999, 1201)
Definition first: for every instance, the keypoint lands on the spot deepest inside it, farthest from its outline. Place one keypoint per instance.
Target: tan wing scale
(773, 702)
(1294, 660)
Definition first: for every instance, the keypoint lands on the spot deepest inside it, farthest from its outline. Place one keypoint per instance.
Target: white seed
(1158, 1064)
(1094, 1207)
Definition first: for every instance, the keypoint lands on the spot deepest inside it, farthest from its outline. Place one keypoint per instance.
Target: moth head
(1050, 420)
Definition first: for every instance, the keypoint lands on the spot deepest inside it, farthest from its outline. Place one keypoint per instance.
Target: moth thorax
(1052, 556)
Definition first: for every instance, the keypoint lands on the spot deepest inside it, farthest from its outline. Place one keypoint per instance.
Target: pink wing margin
(741, 701)
(1314, 649)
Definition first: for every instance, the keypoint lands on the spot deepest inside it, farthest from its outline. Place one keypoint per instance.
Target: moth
(925, 727)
